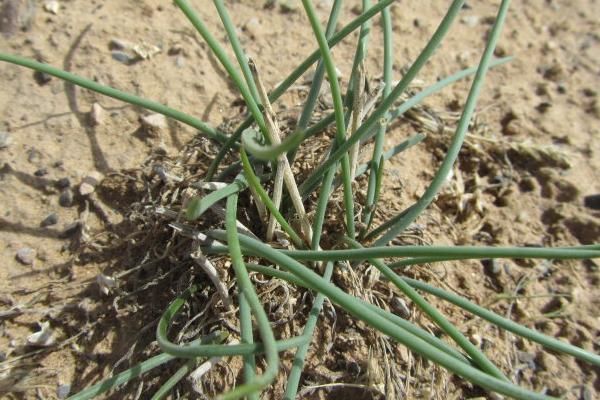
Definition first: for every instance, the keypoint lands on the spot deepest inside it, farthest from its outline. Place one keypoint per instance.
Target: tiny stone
(252, 27)
(52, 6)
(470, 20)
(66, 198)
(41, 77)
(85, 189)
(71, 229)
(62, 391)
(5, 139)
(51, 219)
(496, 266)
(153, 123)
(63, 183)
(33, 155)
(97, 114)
(180, 61)
(41, 172)
(122, 57)
(26, 255)
(288, 6)
(93, 178)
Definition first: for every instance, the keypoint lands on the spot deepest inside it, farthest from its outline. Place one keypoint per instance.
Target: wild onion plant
(258, 142)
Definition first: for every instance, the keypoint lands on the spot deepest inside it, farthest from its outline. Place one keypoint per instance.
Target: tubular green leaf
(402, 323)
(227, 64)
(198, 205)
(247, 290)
(138, 370)
(251, 143)
(507, 324)
(358, 310)
(117, 94)
(339, 114)
(459, 137)
(380, 111)
(476, 355)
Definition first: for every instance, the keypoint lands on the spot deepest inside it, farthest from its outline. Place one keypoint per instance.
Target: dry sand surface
(530, 160)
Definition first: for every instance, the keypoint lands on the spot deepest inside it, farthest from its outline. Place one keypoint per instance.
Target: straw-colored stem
(282, 161)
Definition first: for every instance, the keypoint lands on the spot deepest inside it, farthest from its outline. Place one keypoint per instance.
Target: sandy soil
(531, 159)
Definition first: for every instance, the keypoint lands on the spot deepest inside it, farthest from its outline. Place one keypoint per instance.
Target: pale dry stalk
(282, 163)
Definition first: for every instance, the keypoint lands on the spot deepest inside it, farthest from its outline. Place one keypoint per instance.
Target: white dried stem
(196, 376)
(277, 194)
(356, 120)
(370, 103)
(288, 175)
(209, 269)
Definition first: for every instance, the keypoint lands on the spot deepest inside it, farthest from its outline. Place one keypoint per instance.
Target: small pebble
(97, 115)
(180, 61)
(496, 266)
(85, 189)
(51, 219)
(33, 155)
(52, 6)
(66, 198)
(5, 139)
(41, 172)
(153, 123)
(63, 183)
(252, 27)
(288, 6)
(89, 182)
(26, 255)
(470, 20)
(123, 57)
(93, 178)
(62, 391)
